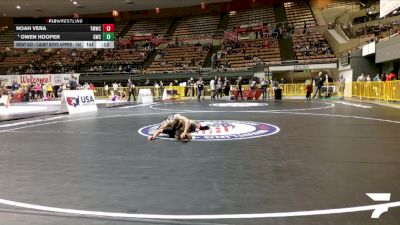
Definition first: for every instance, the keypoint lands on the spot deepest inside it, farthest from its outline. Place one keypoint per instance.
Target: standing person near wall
(200, 87)
(360, 78)
(49, 88)
(219, 86)
(212, 88)
(106, 88)
(44, 91)
(377, 77)
(342, 85)
(156, 89)
(227, 87)
(131, 90)
(264, 88)
(391, 76)
(72, 83)
(239, 88)
(190, 85)
(319, 82)
(253, 84)
(309, 88)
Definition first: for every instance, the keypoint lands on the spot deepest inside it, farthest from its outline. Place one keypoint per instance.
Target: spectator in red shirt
(266, 44)
(91, 86)
(391, 76)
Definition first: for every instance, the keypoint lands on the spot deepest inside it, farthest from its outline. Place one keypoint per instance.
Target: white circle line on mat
(203, 217)
(272, 110)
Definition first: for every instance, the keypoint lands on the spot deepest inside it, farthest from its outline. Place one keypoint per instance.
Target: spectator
(239, 84)
(200, 87)
(361, 78)
(319, 82)
(253, 84)
(131, 90)
(309, 89)
(72, 83)
(391, 76)
(227, 86)
(342, 85)
(212, 88)
(219, 89)
(264, 87)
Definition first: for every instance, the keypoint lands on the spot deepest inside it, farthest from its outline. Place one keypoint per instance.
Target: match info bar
(63, 44)
(64, 33)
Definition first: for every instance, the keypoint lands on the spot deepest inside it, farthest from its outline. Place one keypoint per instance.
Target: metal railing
(377, 90)
(374, 90)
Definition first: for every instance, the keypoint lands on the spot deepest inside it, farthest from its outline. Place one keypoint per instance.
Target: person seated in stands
(304, 50)
(266, 44)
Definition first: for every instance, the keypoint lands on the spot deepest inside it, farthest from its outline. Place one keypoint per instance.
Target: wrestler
(178, 127)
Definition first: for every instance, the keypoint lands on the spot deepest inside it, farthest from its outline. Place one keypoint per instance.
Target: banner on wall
(231, 36)
(54, 79)
(78, 101)
(250, 28)
(388, 6)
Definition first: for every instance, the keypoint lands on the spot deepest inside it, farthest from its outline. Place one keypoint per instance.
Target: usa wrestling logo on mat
(222, 130)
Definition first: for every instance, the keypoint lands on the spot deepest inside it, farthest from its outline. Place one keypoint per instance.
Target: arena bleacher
(260, 14)
(245, 54)
(308, 44)
(169, 43)
(176, 58)
(200, 26)
(157, 26)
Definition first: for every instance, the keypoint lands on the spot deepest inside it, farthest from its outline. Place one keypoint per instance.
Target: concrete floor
(326, 155)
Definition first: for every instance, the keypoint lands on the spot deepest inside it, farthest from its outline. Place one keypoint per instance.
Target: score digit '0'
(108, 28)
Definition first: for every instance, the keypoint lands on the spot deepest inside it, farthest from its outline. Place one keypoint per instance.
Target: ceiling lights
(18, 7)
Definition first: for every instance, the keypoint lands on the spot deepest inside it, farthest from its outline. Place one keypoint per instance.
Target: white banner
(145, 96)
(78, 101)
(387, 6)
(54, 79)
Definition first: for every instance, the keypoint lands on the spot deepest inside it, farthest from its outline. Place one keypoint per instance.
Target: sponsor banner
(78, 101)
(222, 130)
(231, 36)
(239, 104)
(145, 96)
(54, 79)
(250, 28)
(157, 40)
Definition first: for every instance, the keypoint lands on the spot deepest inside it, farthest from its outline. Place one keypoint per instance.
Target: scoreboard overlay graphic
(64, 33)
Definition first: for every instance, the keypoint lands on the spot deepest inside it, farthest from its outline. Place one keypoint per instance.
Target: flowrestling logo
(239, 104)
(223, 130)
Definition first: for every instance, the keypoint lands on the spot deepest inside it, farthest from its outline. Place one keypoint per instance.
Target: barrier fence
(376, 90)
